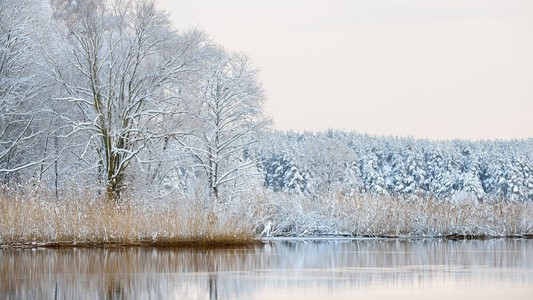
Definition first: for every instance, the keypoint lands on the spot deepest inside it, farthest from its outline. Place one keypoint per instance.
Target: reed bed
(42, 220)
(30, 220)
(371, 216)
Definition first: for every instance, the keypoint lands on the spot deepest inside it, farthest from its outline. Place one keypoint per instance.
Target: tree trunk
(114, 189)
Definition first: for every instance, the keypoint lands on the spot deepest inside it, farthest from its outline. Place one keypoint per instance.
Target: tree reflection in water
(327, 267)
(213, 294)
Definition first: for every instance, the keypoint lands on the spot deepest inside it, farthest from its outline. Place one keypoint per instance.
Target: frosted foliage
(122, 73)
(24, 109)
(458, 170)
(227, 120)
(293, 214)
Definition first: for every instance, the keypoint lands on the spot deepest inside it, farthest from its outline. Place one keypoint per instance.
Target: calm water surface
(340, 269)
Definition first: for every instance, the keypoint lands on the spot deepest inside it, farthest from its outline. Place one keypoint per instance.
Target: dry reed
(32, 220)
(371, 216)
(39, 219)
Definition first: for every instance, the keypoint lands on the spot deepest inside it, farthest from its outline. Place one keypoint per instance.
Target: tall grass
(39, 218)
(365, 215)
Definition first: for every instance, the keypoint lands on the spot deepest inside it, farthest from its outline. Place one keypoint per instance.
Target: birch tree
(122, 75)
(230, 116)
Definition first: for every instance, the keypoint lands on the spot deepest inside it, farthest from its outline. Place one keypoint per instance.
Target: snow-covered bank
(369, 216)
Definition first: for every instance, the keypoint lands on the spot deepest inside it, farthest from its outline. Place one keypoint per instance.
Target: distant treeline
(334, 161)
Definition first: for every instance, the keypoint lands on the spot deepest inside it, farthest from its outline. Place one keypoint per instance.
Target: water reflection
(335, 269)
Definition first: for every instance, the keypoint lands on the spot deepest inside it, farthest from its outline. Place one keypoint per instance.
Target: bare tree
(329, 159)
(230, 116)
(122, 75)
(22, 101)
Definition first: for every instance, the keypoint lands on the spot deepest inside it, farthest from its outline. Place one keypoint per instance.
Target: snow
(485, 170)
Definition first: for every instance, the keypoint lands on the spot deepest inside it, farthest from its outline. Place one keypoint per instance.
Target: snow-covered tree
(447, 170)
(370, 165)
(327, 159)
(122, 73)
(275, 168)
(229, 118)
(23, 101)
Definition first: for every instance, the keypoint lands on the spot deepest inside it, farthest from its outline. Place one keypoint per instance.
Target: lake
(280, 269)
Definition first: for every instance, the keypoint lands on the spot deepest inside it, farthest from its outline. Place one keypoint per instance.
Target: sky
(438, 69)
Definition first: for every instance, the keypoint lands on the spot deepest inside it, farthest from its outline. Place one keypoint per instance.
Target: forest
(108, 110)
(348, 163)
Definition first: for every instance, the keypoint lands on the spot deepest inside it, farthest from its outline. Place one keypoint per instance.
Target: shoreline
(221, 244)
(31, 221)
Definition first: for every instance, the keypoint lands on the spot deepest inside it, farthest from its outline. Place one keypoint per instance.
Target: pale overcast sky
(423, 68)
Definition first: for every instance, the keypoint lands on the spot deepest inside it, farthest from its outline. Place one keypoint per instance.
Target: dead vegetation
(371, 216)
(38, 219)
(84, 221)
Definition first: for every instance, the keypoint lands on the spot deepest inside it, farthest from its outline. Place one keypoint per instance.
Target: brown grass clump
(42, 220)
